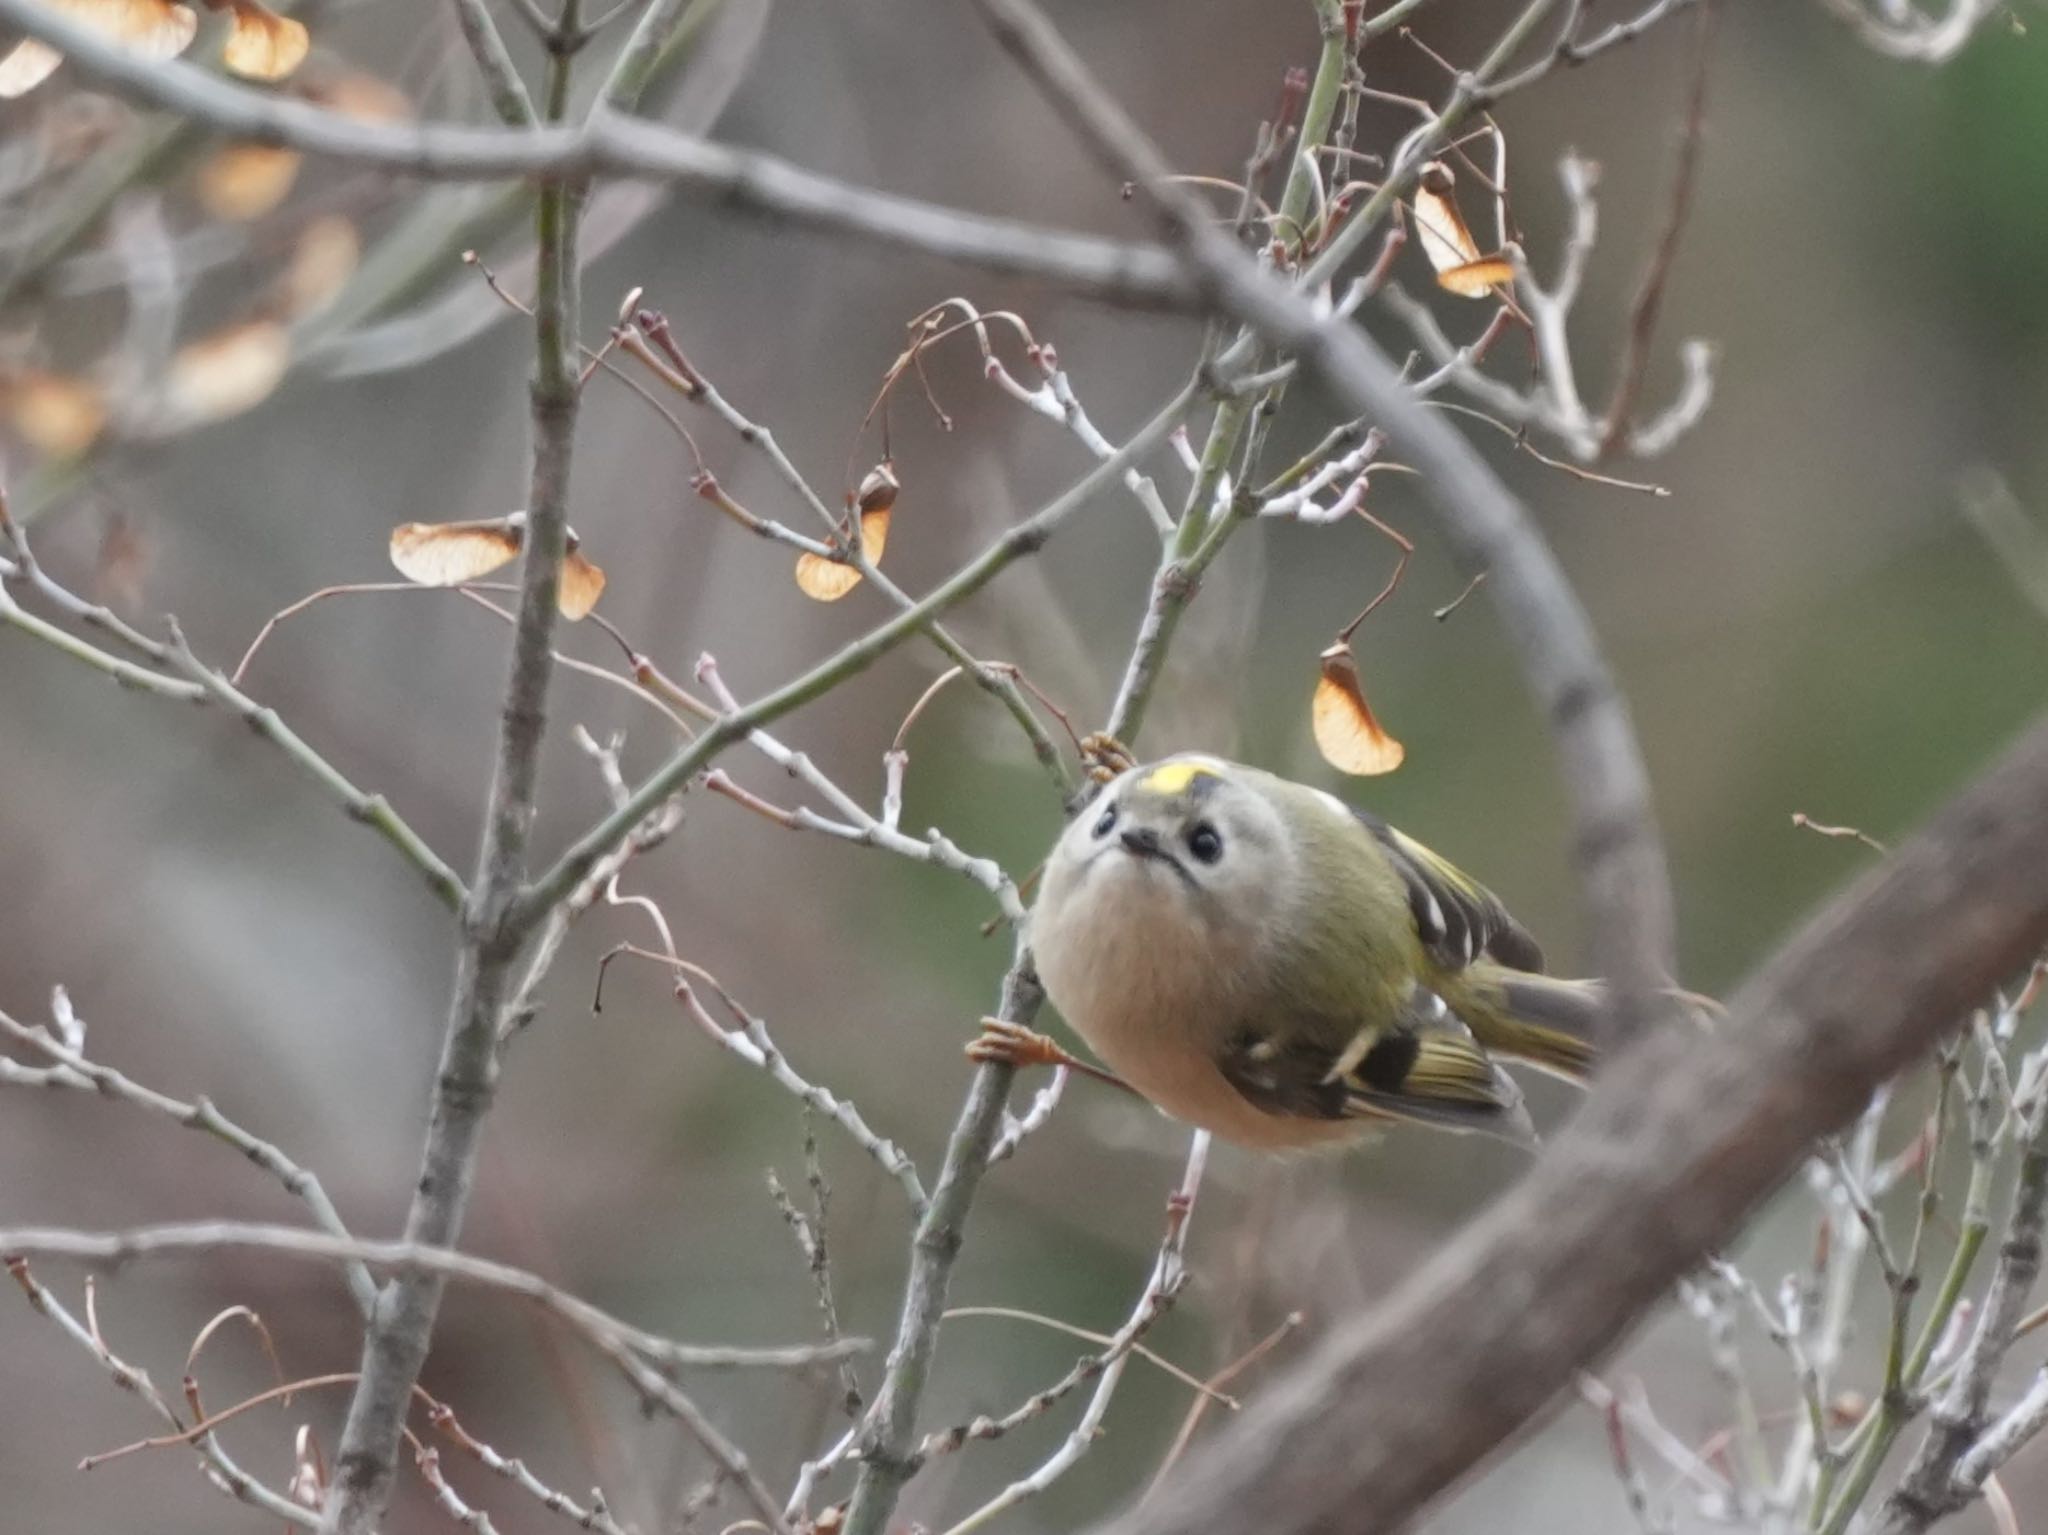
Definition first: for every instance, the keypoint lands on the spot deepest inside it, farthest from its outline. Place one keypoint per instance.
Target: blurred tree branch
(610, 143)
(494, 62)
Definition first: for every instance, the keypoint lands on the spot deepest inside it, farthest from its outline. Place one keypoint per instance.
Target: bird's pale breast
(1155, 994)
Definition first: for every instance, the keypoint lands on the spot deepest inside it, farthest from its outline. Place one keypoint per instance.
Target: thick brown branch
(1685, 1133)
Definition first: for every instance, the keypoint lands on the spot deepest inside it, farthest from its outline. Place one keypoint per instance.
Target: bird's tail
(1542, 1020)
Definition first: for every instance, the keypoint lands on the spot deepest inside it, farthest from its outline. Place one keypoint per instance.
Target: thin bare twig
(752, 1043)
(494, 62)
(215, 1462)
(1649, 299)
(74, 1070)
(1161, 1288)
(1023, 539)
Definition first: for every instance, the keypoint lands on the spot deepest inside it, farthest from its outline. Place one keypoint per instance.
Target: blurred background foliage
(1807, 624)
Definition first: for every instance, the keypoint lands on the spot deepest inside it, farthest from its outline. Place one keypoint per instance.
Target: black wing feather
(1457, 918)
(1425, 1069)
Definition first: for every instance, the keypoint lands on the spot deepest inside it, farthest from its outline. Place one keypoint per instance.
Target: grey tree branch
(1684, 1134)
(888, 1435)
(494, 928)
(187, 1239)
(494, 62)
(72, 1069)
(608, 143)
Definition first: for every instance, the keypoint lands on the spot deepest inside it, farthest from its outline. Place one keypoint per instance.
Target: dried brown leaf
(1347, 733)
(263, 45)
(54, 413)
(450, 553)
(582, 584)
(361, 96)
(155, 29)
(824, 580)
(228, 372)
(241, 182)
(877, 491)
(25, 66)
(322, 262)
(1476, 279)
(1445, 239)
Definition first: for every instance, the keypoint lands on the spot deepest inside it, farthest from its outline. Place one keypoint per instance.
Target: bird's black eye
(1107, 824)
(1206, 843)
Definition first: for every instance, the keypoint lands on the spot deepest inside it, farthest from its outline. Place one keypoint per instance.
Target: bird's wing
(1425, 1067)
(1457, 918)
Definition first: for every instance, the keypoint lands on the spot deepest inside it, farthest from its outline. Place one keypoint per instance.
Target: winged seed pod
(323, 260)
(154, 29)
(240, 182)
(223, 374)
(1448, 243)
(453, 553)
(825, 580)
(1349, 736)
(54, 413)
(263, 45)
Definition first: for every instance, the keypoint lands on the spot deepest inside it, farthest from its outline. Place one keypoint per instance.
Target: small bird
(1258, 958)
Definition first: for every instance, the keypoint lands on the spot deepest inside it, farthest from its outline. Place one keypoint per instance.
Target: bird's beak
(1143, 842)
(1147, 846)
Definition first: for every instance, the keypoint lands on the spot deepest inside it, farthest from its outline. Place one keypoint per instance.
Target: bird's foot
(1002, 1043)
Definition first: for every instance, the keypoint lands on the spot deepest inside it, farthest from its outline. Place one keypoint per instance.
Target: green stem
(494, 62)
(1870, 1443)
(1351, 237)
(1179, 574)
(126, 673)
(667, 27)
(1391, 17)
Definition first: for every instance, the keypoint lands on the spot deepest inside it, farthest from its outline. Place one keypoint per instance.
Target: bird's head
(1194, 831)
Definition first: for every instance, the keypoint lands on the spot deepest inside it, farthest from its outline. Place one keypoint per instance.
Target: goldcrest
(1260, 959)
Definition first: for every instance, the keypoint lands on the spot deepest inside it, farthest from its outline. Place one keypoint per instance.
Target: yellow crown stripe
(1173, 777)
